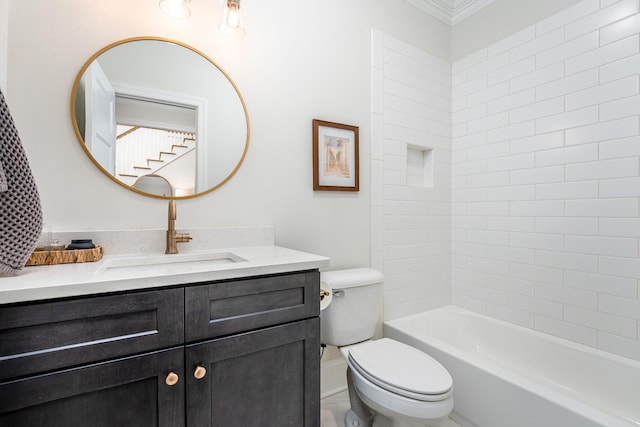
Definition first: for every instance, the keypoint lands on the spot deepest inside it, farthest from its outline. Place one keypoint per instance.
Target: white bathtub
(505, 375)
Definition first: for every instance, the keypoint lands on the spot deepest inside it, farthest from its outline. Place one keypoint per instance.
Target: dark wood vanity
(238, 352)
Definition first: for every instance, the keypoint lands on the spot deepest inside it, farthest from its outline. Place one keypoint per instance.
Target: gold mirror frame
(80, 138)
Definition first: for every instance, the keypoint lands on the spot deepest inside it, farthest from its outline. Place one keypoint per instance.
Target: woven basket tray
(65, 256)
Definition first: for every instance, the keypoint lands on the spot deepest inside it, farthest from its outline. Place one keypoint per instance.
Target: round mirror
(151, 107)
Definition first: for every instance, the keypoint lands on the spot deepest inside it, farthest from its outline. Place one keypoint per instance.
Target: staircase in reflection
(144, 151)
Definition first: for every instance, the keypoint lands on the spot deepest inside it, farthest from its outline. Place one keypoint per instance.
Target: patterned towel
(20, 211)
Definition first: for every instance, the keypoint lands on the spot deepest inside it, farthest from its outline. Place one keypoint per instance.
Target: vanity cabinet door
(233, 306)
(125, 392)
(269, 377)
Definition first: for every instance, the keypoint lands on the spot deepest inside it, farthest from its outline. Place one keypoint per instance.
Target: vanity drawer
(52, 335)
(228, 307)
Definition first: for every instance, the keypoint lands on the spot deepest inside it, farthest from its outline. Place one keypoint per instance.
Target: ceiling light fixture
(232, 20)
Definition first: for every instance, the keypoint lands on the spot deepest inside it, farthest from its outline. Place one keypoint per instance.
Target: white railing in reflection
(135, 147)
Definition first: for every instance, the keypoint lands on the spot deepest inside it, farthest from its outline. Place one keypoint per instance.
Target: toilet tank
(353, 313)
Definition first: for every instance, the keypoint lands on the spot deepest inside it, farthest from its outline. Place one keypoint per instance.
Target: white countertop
(66, 280)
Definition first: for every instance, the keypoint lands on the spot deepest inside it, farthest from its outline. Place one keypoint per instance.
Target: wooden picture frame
(335, 157)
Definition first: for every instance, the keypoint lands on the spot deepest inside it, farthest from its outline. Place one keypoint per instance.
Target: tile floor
(333, 408)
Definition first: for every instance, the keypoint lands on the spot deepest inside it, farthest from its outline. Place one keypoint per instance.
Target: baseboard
(462, 421)
(333, 377)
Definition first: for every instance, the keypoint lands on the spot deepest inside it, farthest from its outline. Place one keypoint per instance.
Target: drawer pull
(172, 379)
(200, 372)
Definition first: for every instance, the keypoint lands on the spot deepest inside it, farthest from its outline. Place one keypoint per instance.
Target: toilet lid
(400, 368)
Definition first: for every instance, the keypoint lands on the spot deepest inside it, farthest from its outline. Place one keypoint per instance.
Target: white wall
(411, 193)
(546, 182)
(292, 66)
(4, 32)
(500, 19)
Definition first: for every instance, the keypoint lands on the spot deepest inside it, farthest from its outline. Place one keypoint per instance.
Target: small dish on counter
(81, 244)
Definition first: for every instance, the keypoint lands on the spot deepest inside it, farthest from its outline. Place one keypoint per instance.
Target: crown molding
(450, 11)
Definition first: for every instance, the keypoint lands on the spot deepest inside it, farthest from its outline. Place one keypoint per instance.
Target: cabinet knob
(200, 372)
(172, 379)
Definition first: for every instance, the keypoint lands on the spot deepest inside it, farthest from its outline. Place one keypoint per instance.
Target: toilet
(391, 384)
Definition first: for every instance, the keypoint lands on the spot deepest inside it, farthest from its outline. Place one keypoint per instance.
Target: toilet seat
(392, 365)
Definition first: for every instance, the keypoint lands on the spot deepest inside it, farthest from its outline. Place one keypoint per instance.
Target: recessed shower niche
(419, 167)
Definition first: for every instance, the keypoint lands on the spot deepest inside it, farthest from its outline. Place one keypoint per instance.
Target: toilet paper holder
(336, 293)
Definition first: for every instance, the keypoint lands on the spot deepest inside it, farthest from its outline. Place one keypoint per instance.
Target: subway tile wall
(546, 177)
(411, 176)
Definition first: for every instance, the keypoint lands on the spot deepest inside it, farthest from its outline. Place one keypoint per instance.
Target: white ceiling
(450, 11)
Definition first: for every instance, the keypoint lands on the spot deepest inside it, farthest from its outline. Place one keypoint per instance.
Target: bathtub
(505, 375)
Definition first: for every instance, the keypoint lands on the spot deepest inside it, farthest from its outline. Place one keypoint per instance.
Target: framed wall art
(335, 157)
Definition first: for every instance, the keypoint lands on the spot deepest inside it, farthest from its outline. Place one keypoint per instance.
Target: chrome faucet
(174, 238)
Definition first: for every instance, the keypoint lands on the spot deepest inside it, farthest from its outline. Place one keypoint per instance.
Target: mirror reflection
(160, 118)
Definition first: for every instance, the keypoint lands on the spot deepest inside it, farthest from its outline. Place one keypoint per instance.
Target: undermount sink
(169, 263)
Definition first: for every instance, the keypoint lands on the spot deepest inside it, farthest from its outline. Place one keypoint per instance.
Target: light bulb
(233, 18)
(232, 21)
